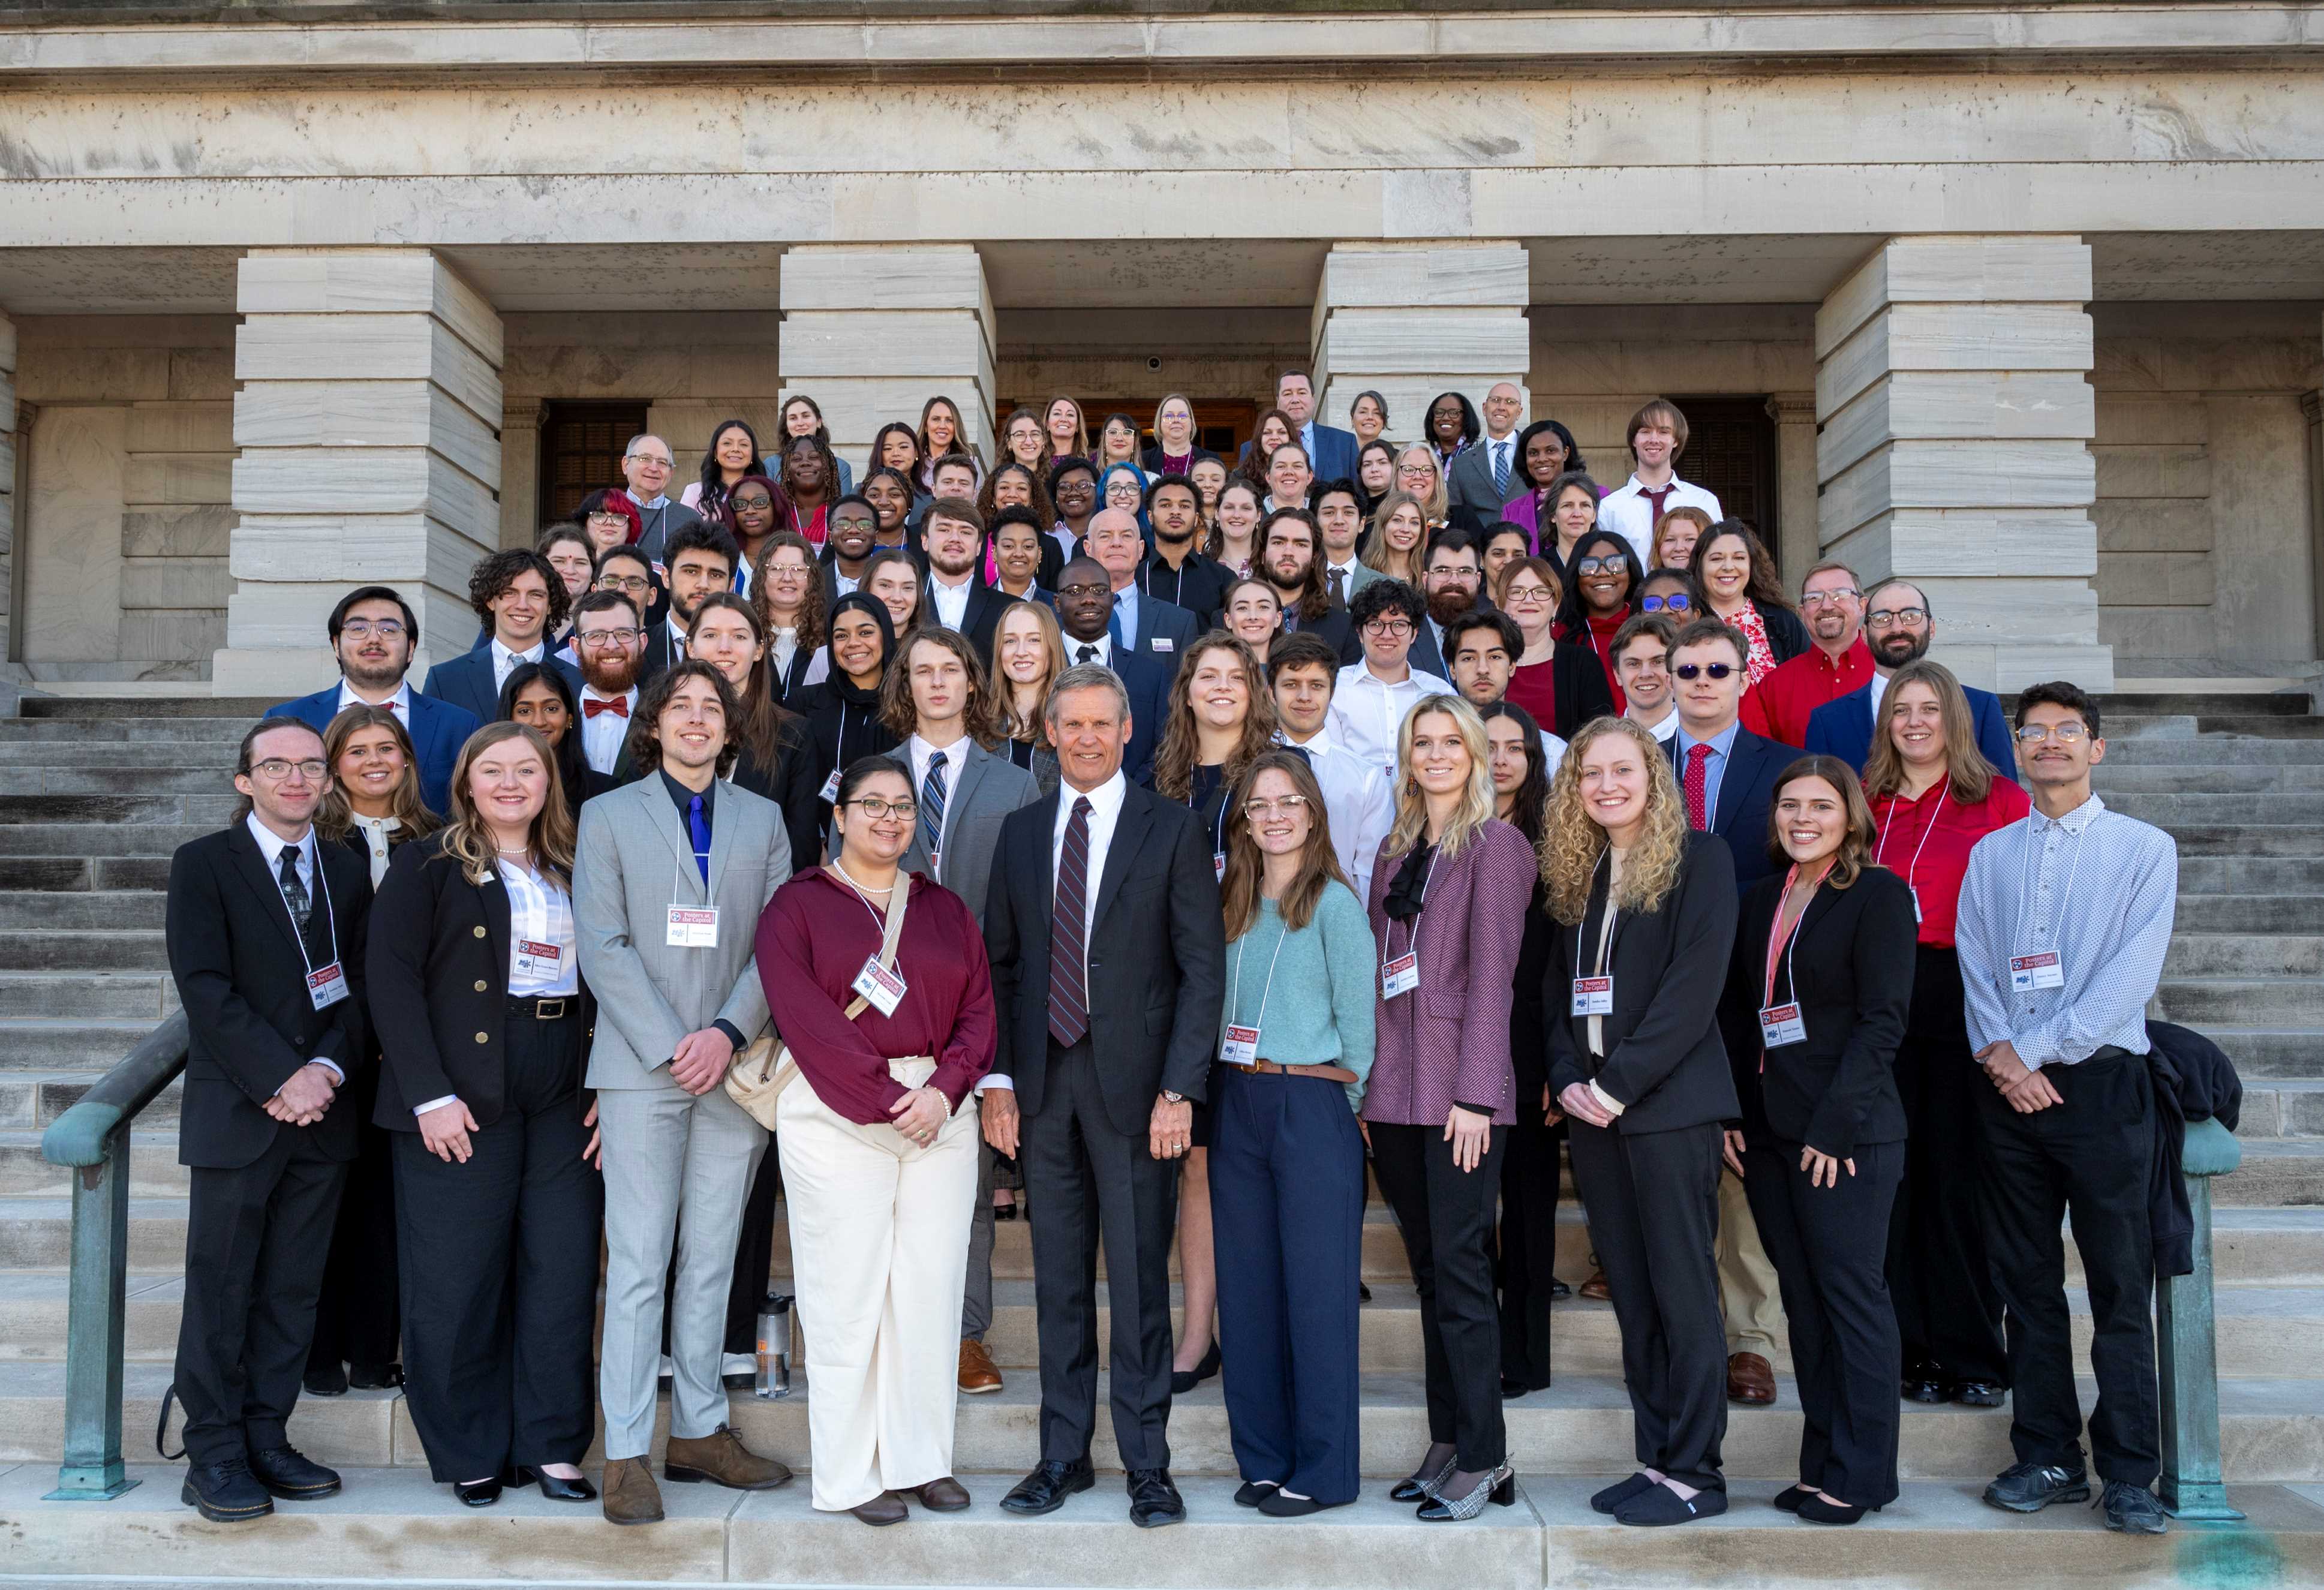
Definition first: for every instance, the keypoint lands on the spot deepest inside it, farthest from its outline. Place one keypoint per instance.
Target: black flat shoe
(1788, 1500)
(328, 1381)
(375, 1377)
(477, 1493)
(290, 1475)
(1004, 1211)
(1154, 1500)
(1925, 1383)
(1512, 1388)
(1183, 1380)
(1363, 1293)
(1281, 1506)
(1621, 1491)
(1251, 1492)
(1814, 1510)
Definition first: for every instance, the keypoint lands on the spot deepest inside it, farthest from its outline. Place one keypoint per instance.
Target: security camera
(1152, 363)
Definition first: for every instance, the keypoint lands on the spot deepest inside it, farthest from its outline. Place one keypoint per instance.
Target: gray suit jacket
(1469, 482)
(635, 861)
(983, 790)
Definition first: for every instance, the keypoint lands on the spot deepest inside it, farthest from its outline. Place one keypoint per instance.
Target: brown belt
(1329, 1073)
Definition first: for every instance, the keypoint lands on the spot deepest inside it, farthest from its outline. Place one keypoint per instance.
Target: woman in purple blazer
(1448, 903)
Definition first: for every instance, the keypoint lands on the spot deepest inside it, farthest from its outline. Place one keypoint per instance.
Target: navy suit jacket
(466, 682)
(1148, 675)
(1335, 453)
(1167, 621)
(1842, 727)
(437, 728)
(1745, 789)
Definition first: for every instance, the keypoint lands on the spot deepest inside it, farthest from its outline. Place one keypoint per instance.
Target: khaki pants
(1748, 1293)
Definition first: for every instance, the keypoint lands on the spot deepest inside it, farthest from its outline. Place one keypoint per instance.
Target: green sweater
(1318, 1007)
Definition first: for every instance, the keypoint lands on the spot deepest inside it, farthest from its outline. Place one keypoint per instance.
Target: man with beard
(854, 535)
(1832, 600)
(1141, 623)
(374, 634)
(1085, 598)
(1898, 626)
(1449, 583)
(610, 639)
(701, 558)
(1174, 571)
(1286, 556)
(952, 536)
(1368, 707)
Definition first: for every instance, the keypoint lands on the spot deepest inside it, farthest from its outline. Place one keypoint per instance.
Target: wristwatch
(1173, 1098)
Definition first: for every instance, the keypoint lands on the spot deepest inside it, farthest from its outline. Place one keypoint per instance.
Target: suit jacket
(1156, 955)
(465, 682)
(1150, 460)
(635, 861)
(1361, 576)
(1468, 483)
(983, 790)
(1338, 631)
(1849, 969)
(661, 650)
(1842, 727)
(1664, 1060)
(1164, 629)
(439, 729)
(1335, 453)
(980, 621)
(242, 978)
(1147, 675)
(1745, 792)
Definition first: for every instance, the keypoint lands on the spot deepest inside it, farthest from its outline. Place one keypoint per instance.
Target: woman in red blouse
(1934, 797)
(879, 1159)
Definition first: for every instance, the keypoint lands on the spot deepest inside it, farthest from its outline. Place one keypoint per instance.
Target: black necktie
(1088, 654)
(1338, 586)
(314, 931)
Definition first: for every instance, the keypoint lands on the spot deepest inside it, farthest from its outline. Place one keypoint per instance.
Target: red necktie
(619, 707)
(1698, 788)
(1655, 500)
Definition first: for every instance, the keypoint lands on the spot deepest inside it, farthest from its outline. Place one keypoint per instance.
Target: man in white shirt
(1482, 474)
(1658, 437)
(374, 634)
(1369, 706)
(1339, 519)
(1642, 667)
(518, 597)
(1305, 671)
(952, 536)
(702, 559)
(611, 644)
(646, 465)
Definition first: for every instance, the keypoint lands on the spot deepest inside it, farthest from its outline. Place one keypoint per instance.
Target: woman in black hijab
(843, 711)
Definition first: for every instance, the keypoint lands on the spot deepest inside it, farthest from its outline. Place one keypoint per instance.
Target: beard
(1895, 650)
(1447, 605)
(610, 676)
(952, 570)
(384, 675)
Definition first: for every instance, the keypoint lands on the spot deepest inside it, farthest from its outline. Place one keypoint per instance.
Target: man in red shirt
(1832, 600)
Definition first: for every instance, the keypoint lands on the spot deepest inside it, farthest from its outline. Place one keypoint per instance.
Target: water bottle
(775, 1346)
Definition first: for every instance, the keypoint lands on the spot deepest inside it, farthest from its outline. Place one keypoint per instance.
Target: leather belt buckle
(548, 1010)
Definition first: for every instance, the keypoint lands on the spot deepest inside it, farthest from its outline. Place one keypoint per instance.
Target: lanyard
(1791, 941)
(1936, 817)
(1218, 823)
(2025, 896)
(1234, 997)
(1605, 929)
(323, 888)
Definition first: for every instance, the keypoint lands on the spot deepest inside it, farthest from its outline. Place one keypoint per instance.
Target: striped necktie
(932, 807)
(1068, 928)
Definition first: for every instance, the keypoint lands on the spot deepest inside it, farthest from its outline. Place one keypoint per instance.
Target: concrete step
(56, 875)
(2210, 726)
(238, 710)
(2268, 1052)
(2175, 812)
(82, 1043)
(2132, 699)
(113, 950)
(2200, 954)
(2243, 1001)
(2221, 836)
(2280, 1172)
(16, 732)
(218, 755)
(2205, 751)
(2285, 1107)
(61, 833)
(2248, 913)
(160, 776)
(51, 911)
(28, 1098)
(2241, 876)
(203, 809)
(154, 1170)
(87, 994)
(2218, 777)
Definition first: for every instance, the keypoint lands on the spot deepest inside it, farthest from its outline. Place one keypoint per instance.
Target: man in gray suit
(1485, 473)
(934, 696)
(671, 874)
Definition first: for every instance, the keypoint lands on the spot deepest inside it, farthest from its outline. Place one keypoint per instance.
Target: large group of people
(1143, 844)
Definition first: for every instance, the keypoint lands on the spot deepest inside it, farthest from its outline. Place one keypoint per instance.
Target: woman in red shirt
(1934, 797)
(1603, 578)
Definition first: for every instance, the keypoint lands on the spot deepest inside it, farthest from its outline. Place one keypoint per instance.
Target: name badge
(326, 985)
(692, 927)
(830, 791)
(1780, 1024)
(1163, 643)
(535, 959)
(2036, 971)
(1219, 865)
(1593, 996)
(1239, 1046)
(1400, 976)
(879, 985)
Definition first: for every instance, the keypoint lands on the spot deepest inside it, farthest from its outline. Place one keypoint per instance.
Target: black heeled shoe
(1183, 1380)
(476, 1493)
(554, 1488)
(1413, 1488)
(1499, 1487)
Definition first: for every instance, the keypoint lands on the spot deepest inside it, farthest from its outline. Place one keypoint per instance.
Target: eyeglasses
(852, 522)
(1909, 617)
(1395, 629)
(1690, 670)
(623, 582)
(601, 640)
(1526, 594)
(877, 809)
(1084, 592)
(1612, 563)
(608, 520)
(1821, 598)
(652, 458)
(1676, 602)
(276, 769)
(757, 502)
(1258, 808)
(386, 629)
(2032, 734)
(1419, 471)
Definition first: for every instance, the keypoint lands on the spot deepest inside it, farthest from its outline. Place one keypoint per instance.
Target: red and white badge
(1780, 1024)
(1239, 1046)
(2039, 970)
(882, 987)
(326, 985)
(1593, 996)
(537, 961)
(1400, 976)
(692, 927)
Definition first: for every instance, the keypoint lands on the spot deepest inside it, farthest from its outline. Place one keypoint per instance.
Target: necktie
(1087, 654)
(1698, 788)
(1113, 628)
(294, 889)
(932, 805)
(1068, 970)
(697, 822)
(1501, 470)
(619, 707)
(1338, 586)
(1655, 500)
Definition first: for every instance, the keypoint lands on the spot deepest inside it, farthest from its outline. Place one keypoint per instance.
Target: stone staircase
(95, 794)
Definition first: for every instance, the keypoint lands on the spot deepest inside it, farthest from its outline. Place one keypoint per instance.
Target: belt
(554, 1009)
(1328, 1073)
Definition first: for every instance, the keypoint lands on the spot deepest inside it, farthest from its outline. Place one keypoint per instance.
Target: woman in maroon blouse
(879, 1159)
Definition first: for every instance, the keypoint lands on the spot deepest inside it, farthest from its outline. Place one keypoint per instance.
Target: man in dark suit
(1330, 451)
(952, 536)
(521, 599)
(1085, 599)
(1101, 924)
(374, 634)
(1480, 478)
(1898, 626)
(265, 934)
(1141, 623)
(609, 641)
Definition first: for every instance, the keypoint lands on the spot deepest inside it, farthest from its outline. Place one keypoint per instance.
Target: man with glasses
(1479, 480)
(610, 639)
(853, 536)
(1369, 705)
(647, 463)
(1450, 581)
(1832, 602)
(1898, 626)
(374, 634)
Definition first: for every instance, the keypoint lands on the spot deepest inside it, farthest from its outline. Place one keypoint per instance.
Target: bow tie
(619, 707)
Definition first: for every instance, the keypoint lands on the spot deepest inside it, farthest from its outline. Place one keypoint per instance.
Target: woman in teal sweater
(1286, 1160)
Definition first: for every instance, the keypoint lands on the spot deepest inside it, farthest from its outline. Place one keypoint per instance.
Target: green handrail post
(2187, 1345)
(92, 1139)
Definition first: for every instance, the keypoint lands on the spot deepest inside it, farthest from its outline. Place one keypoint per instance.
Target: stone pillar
(1409, 320)
(872, 332)
(7, 491)
(1794, 414)
(366, 417)
(2312, 409)
(1953, 396)
(520, 488)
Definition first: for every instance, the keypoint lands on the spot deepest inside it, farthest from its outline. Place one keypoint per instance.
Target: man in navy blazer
(1898, 627)
(1084, 610)
(1738, 767)
(521, 599)
(1330, 451)
(1140, 623)
(374, 634)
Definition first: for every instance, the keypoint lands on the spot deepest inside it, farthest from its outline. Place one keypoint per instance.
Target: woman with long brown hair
(1735, 582)
(776, 760)
(1068, 431)
(1269, 431)
(1285, 1152)
(1029, 651)
(1397, 546)
(1233, 540)
(787, 589)
(474, 990)
(941, 433)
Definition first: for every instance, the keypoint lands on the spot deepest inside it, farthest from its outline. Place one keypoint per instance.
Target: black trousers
(500, 1272)
(256, 1239)
(1528, 1247)
(1086, 1182)
(1828, 1245)
(2086, 1160)
(1446, 1216)
(357, 1318)
(1654, 1216)
(1948, 1312)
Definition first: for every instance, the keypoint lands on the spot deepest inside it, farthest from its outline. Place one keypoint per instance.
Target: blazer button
(483, 1039)
(478, 932)
(480, 986)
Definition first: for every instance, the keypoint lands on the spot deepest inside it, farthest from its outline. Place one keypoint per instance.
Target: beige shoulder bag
(757, 1076)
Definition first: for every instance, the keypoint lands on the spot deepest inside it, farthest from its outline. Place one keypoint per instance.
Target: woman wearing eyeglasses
(1669, 592)
(787, 589)
(1560, 686)
(609, 519)
(1419, 473)
(1602, 587)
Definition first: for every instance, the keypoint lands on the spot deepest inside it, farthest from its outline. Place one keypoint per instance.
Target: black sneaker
(287, 1474)
(2133, 1508)
(2029, 1487)
(225, 1493)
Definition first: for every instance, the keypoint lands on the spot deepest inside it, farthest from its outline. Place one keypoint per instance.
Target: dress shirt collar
(936, 581)
(683, 798)
(400, 703)
(1105, 801)
(1318, 743)
(2074, 822)
(1125, 613)
(921, 753)
(1721, 743)
(1104, 645)
(271, 845)
(504, 659)
(592, 693)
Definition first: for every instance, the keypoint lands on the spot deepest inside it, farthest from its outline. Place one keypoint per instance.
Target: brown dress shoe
(1750, 1379)
(721, 1458)
(976, 1371)
(944, 1495)
(886, 1508)
(629, 1493)
(1595, 1287)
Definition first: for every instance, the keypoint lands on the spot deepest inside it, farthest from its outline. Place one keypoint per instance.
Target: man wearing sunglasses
(1898, 626)
(1831, 601)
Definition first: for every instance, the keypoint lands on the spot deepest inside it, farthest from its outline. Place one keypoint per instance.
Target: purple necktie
(1068, 973)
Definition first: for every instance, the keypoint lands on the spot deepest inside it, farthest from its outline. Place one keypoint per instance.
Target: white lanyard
(2030, 969)
(2032, 852)
(326, 985)
(882, 987)
(1595, 996)
(1913, 868)
(690, 926)
(1239, 1046)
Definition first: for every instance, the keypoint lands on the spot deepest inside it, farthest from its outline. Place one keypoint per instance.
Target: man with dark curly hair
(520, 601)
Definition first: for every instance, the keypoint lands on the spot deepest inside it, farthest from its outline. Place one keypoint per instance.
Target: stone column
(872, 333)
(7, 490)
(1409, 320)
(1795, 415)
(366, 417)
(2312, 409)
(520, 488)
(1953, 396)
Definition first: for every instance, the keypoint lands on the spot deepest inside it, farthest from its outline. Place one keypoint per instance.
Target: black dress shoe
(1789, 1498)
(1154, 1500)
(1512, 1387)
(557, 1490)
(1980, 1394)
(1280, 1505)
(375, 1377)
(1183, 1380)
(1045, 1490)
(1251, 1492)
(328, 1380)
(225, 1493)
(1814, 1509)
(1559, 1290)
(477, 1493)
(2029, 1487)
(288, 1476)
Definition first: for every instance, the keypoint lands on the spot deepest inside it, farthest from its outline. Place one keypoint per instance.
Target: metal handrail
(2186, 1345)
(92, 1137)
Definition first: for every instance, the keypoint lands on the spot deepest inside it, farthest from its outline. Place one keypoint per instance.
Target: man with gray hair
(648, 463)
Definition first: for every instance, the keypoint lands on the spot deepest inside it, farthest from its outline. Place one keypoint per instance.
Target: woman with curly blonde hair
(1632, 989)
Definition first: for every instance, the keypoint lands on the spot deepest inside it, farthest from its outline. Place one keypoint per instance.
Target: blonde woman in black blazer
(1822, 981)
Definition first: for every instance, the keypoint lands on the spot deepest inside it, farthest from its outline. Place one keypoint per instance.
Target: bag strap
(891, 936)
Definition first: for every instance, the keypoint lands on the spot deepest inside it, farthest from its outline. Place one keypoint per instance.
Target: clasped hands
(302, 1101)
(2027, 1088)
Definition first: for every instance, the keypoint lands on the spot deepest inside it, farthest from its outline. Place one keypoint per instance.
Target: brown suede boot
(721, 1458)
(629, 1493)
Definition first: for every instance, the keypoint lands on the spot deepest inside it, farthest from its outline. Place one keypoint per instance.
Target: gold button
(479, 932)
(482, 1039)
(480, 986)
